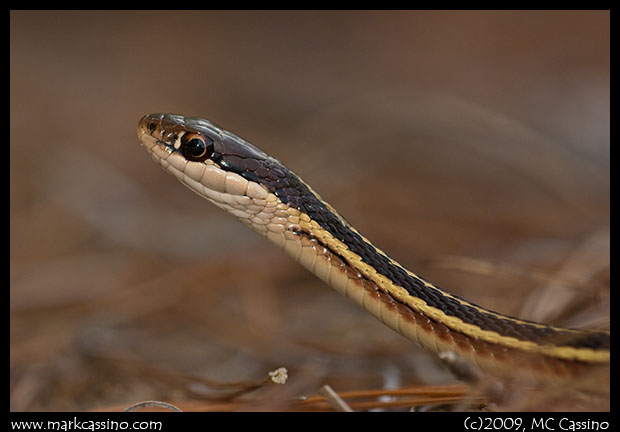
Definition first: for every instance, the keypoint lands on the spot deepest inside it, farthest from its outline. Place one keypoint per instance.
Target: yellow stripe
(454, 323)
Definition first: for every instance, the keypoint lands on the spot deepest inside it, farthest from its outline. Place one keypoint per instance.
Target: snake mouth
(147, 126)
(149, 123)
(160, 135)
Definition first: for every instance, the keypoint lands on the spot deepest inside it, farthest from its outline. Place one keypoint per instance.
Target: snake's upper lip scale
(169, 147)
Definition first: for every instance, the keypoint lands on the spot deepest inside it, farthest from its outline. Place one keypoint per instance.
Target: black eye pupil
(196, 148)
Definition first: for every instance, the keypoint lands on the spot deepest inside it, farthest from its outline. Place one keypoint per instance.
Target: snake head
(211, 161)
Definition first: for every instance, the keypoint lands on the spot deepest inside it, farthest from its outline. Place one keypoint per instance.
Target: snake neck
(319, 227)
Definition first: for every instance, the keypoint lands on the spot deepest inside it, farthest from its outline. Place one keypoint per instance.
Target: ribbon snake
(268, 197)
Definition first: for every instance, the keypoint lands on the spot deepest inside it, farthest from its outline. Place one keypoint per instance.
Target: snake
(272, 200)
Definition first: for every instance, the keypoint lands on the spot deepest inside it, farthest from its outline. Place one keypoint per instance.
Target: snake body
(272, 200)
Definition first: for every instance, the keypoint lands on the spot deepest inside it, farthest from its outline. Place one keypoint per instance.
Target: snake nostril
(151, 126)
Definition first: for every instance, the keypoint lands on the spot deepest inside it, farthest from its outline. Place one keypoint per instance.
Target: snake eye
(196, 147)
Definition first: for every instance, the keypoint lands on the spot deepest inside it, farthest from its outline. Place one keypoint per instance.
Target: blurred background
(473, 147)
